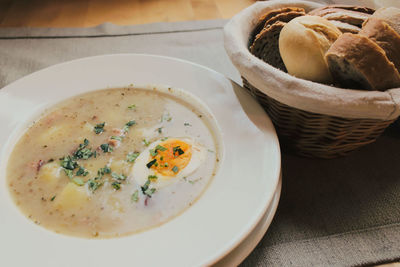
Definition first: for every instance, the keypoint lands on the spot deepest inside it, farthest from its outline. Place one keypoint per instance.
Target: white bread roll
(303, 43)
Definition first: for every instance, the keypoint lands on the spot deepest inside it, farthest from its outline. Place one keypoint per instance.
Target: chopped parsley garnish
(159, 130)
(145, 186)
(68, 163)
(117, 176)
(81, 171)
(154, 152)
(93, 185)
(83, 152)
(187, 124)
(161, 148)
(128, 125)
(151, 163)
(146, 190)
(69, 173)
(131, 157)
(99, 128)
(175, 169)
(149, 192)
(116, 185)
(145, 142)
(103, 171)
(166, 164)
(106, 148)
(119, 138)
(133, 106)
(52, 199)
(78, 181)
(177, 149)
(135, 196)
(152, 177)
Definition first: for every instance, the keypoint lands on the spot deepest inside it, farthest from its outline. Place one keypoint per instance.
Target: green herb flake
(93, 185)
(175, 169)
(116, 185)
(78, 181)
(131, 157)
(69, 173)
(145, 186)
(81, 171)
(177, 149)
(166, 164)
(152, 177)
(119, 177)
(159, 130)
(145, 142)
(135, 196)
(146, 190)
(161, 148)
(83, 152)
(105, 170)
(149, 192)
(153, 152)
(133, 106)
(52, 198)
(68, 162)
(187, 124)
(119, 138)
(106, 148)
(99, 128)
(128, 125)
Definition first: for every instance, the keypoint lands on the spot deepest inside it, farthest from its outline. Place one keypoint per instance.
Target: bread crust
(385, 36)
(268, 15)
(367, 61)
(266, 45)
(361, 9)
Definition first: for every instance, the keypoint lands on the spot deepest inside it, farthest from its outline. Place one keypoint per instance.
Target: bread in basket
(313, 119)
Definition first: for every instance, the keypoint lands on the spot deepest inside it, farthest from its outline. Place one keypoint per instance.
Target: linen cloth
(336, 212)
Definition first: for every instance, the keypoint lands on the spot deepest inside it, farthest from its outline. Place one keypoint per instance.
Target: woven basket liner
(317, 135)
(314, 120)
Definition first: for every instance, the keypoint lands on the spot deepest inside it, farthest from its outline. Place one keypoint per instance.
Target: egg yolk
(172, 156)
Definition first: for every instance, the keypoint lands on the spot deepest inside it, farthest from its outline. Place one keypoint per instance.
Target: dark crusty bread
(266, 45)
(355, 61)
(268, 15)
(347, 18)
(361, 9)
(385, 36)
(284, 17)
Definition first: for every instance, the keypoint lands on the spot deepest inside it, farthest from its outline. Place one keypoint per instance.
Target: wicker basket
(317, 135)
(310, 126)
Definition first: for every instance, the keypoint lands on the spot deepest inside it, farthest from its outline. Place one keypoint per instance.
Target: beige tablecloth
(337, 212)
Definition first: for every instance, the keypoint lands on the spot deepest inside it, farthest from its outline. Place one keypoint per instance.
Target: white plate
(239, 253)
(227, 212)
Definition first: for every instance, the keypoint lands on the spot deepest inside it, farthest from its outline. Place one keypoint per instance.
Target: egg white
(140, 172)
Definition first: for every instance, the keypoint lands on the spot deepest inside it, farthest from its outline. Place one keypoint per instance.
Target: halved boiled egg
(166, 161)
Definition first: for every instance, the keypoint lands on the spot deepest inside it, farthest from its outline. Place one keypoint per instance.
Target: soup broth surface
(112, 162)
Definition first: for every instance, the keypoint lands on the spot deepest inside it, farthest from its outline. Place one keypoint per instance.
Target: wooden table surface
(86, 13)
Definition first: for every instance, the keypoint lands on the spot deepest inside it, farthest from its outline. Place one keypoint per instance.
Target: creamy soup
(112, 162)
